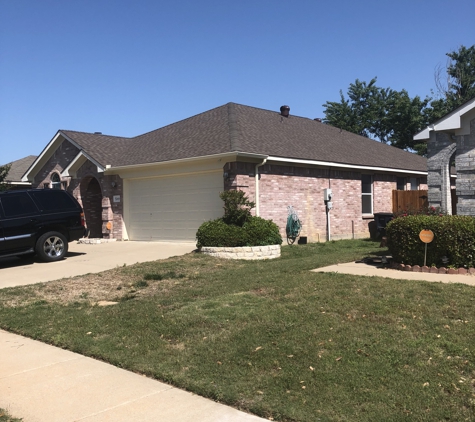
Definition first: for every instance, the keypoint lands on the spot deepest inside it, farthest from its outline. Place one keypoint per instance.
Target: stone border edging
(243, 252)
(432, 270)
(94, 241)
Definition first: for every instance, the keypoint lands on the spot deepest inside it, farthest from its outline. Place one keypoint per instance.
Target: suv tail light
(83, 222)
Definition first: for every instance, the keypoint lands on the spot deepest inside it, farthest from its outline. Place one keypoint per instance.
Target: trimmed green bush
(255, 232)
(237, 207)
(238, 227)
(454, 239)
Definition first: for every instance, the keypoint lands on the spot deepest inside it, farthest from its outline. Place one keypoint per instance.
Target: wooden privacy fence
(409, 200)
(416, 200)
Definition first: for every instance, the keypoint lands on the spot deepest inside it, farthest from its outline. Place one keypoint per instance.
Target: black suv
(40, 221)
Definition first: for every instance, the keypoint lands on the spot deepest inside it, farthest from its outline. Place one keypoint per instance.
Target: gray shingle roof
(19, 167)
(238, 128)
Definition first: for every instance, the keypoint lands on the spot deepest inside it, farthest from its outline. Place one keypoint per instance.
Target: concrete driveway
(86, 258)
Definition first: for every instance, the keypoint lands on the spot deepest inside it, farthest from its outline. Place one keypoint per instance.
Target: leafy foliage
(393, 117)
(3, 175)
(459, 84)
(237, 207)
(454, 239)
(390, 116)
(238, 227)
(255, 232)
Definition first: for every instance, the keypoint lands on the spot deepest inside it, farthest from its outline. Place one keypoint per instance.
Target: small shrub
(237, 207)
(255, 232)
(261, 232)
(454, 239)
(237, 227)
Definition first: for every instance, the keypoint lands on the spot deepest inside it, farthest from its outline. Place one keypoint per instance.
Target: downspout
(256, 175)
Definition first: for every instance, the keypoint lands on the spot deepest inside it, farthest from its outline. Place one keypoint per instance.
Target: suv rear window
(17, 205)
(54, 200)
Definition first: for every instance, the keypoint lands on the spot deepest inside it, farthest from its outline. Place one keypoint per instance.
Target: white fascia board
(227, 155)
(450, 122)
(47, 152)
(423, 134)
(77, 162)
(42, 158)
(345, 166)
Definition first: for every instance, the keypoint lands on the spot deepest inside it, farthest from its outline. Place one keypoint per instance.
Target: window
(367, 194)
(401, 183)
(55, 181)
(414, 184)
(18, 205)
(54, 201)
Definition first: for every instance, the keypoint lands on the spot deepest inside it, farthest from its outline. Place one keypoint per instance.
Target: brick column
(440, 150)
(465, 164)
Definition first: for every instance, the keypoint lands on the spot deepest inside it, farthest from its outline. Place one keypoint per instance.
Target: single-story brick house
(163, 184)
(17, 170)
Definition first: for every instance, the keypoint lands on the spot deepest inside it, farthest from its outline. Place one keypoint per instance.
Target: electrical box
(329, 205)
(327, 194)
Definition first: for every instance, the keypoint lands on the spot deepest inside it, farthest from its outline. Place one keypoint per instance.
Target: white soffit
(346, 166)
(76, 164)
(450, 122)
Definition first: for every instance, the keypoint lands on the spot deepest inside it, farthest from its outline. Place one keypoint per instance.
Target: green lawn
(271, 337)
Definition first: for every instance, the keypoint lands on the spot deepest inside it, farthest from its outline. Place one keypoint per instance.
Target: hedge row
(453, 244)
(255, 231)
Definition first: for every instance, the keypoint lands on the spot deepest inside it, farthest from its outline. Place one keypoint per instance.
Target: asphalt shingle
(238, 128)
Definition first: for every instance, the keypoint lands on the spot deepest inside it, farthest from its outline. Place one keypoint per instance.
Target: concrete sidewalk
(87, 258)
(361, 268)
(42, 383)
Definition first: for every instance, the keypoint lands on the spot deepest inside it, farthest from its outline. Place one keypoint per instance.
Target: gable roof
(235, 128)
(18, 168)
(450, 123)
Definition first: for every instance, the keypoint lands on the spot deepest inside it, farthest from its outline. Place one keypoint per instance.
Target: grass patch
(5, 417)
(271, 337)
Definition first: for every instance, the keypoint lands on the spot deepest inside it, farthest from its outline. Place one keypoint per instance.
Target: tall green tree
(383, 114)
(3, 175)
(393, 117)
(455, 83)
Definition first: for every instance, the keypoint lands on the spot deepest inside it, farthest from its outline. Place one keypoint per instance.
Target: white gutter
(340, 165)
(256, 175)
(235, 154)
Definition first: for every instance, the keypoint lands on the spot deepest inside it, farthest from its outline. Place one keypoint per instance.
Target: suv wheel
(52, 246)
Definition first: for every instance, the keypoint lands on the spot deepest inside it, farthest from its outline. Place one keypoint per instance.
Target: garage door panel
(172, 208)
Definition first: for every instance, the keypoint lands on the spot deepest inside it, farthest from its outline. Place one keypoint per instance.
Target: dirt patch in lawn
(109, 286)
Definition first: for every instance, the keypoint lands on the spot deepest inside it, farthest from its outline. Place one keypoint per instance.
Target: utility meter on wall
(327, 195)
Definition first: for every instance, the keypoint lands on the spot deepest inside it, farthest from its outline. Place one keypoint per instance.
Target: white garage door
(173, 207)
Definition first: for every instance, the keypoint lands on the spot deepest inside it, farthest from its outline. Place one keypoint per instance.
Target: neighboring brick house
(162, 185)
(17, 170)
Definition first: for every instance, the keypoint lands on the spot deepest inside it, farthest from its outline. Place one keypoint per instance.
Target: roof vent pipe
(285, 110)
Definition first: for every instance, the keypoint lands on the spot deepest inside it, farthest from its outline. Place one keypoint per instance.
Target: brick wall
(61, 158)
(302, 188)
(106, 209)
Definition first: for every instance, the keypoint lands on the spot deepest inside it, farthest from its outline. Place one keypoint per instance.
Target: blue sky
(128, 67)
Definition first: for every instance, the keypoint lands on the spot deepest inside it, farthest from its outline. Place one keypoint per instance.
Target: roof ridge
(93, 133)
(234, 132)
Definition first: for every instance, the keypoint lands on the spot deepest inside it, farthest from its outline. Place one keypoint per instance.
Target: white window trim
(367, 194)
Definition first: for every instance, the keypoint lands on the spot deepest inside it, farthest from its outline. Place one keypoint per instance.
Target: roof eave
(77, 162)
(345, 166)
(449, 123)
(45, 155)
(223, 156)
